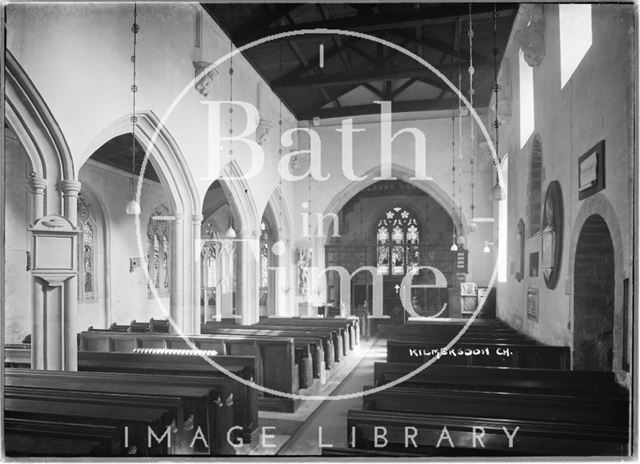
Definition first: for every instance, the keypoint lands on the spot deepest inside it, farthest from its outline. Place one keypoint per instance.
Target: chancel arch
(394, 227)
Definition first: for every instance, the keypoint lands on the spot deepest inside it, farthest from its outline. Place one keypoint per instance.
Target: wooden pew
(207, 402)
(31, 438)
(78, 409)
(350, 324)
(245, 396)
(532, 356)
(504, 379)
(276, 368)
(543, 406)
(533, 438)
(335, 334)
(318, 344)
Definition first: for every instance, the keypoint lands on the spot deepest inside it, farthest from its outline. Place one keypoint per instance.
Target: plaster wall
(595, 104)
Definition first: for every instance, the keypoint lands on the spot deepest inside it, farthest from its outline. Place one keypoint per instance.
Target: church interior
(331, 230)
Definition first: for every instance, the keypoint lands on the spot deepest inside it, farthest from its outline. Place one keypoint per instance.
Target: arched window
(265, 246)
(209, 281)
(535, 188)
(398, 241)
(159, 235)
(87, 247)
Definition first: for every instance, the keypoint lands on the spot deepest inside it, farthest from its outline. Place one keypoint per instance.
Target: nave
(203, 239)
(494, 393)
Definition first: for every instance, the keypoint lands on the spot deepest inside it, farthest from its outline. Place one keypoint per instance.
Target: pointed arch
(164, 153)
(403, 174)
(36, 127)
(242, 204)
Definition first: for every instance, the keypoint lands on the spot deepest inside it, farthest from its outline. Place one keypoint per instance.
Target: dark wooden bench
(338, 335)
(499, 378)
(81, 409)
(485, 354)
(316, 344)
(533, 438)
(500, 403)
(245, 396)
(350, 324)
(40, 438)
(276, 367)
(205, 402)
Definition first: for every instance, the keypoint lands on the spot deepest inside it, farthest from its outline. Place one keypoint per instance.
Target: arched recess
(244, 247)
(54, 307)
(172, 169)
(276, 214)
(599, 205)
(593, 297)
(403, 174)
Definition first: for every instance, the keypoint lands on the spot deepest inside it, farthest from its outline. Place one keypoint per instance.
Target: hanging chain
(496, 86)
(135, 28)
(471, 92)
(230, 101)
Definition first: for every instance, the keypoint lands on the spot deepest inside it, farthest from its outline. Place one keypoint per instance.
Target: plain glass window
(575, 37)
(527, 112)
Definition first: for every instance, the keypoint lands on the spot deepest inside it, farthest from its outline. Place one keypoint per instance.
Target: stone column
(70, 190)
(197, 277)
(37, 187)
(247, 260)
(176, 301)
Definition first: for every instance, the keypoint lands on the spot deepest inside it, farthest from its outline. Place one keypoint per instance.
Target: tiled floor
(298, 434)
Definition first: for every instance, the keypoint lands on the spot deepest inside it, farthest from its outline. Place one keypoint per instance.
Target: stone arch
(242, 204)
(247, 227)
(32, 120)
(52, 171)
(165, 155)
(599, 205)
(594, 301)
(403, 174)
(172, 169)
(277, 213)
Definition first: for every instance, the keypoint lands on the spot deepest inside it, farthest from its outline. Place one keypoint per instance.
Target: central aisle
(331, 416)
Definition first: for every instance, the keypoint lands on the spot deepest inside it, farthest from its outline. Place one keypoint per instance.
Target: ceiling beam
(311, 64)
(337, 40)
(360, 77)
(397, 107)
(403, 87)
(439, 14)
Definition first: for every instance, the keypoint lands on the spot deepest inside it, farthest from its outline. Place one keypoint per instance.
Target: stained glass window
(87, 242)
(398, 238)
(265, 245)
(159, 235)
(209, 275)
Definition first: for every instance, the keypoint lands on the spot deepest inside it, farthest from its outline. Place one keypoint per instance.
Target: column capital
(37, 184)
(179, 217)
(197, 219)
(70, 187)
